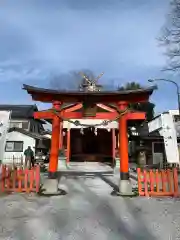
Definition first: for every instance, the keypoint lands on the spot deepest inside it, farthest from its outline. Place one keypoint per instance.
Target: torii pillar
(55, 142)
(125, 187)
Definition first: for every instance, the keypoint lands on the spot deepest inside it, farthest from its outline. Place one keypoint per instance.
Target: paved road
(88, 212)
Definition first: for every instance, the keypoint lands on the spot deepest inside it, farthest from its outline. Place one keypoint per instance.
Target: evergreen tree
(146, 107)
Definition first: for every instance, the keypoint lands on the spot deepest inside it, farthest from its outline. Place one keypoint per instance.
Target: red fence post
(163, 177)
(145, 183)
(31, 173)
(139, 181)
(8, 178)
(19, 179)
(157, 180)
(175, 180)
(3, 175)
(151, 178)
(169, 177)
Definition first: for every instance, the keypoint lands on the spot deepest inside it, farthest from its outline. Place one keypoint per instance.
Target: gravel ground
(88, 212)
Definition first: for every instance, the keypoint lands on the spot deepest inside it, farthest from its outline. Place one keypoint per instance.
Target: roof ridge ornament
(91, 84)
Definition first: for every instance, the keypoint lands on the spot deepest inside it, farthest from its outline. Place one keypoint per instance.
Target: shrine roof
(50, 95)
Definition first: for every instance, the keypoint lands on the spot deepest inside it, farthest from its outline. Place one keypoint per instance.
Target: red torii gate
(120, 99)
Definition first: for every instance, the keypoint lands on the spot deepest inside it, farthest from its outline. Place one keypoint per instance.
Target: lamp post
(175, 84)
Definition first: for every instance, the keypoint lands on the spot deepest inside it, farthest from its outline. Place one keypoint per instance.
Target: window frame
(20, 124)
(16, 124)
(14, 150)
(25, 125)
(176, 118)
(156, 145)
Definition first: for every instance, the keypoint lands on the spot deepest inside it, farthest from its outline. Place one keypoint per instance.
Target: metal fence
(13, 160)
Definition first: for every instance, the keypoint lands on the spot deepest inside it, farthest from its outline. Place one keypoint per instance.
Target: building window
(14, 146)
(158, 147)
(15, 124)
(176, 118)
(25, 125)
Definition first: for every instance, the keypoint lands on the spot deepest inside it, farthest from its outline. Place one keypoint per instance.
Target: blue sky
(41, 39)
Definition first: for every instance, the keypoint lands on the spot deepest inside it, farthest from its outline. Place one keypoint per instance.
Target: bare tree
(71, 80)
(170, 37)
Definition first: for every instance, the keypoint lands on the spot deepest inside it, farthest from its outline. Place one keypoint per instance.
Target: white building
(23, 131)
(17, 141)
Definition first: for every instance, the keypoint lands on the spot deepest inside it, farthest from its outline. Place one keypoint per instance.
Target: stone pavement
(84, 167)
(88, 212)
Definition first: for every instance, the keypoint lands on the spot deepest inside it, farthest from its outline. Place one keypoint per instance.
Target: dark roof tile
(30, 134)
(20, 111)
